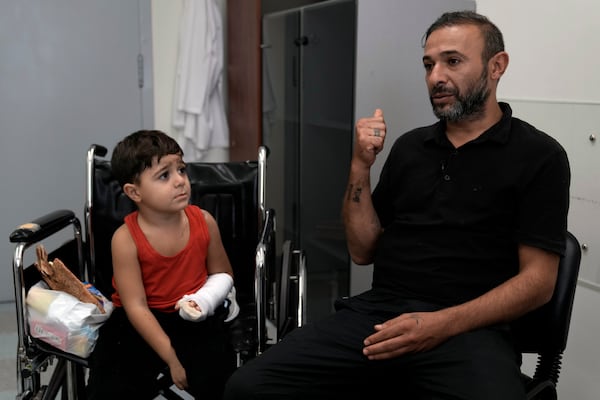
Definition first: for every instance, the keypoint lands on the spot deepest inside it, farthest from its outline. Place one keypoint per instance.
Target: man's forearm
(360, 220)
(523, 293)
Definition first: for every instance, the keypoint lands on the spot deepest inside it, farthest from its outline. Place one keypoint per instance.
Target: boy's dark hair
(132, 155)
(492, 37)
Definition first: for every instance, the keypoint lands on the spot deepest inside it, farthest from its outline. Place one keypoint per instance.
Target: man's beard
(468, 106)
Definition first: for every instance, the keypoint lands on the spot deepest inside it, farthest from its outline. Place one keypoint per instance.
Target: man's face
(457, 78)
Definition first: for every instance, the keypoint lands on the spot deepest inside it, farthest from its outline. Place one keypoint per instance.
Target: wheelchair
(270, 287)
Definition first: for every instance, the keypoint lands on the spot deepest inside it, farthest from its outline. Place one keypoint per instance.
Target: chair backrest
(545, 331)
(228, 190)
(547, 328)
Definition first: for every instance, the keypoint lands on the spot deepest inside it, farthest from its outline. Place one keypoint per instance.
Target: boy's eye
(182, 170)
(164, 175)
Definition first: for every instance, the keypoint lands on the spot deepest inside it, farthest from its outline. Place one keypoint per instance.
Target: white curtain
(198, 110)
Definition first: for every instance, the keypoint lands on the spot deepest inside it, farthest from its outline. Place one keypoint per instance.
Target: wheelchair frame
(33, 355)
(67, 379)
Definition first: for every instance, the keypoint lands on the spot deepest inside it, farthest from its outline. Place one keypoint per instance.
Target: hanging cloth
(198, 108)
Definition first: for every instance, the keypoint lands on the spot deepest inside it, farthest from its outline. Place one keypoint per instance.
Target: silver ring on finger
(376, 132)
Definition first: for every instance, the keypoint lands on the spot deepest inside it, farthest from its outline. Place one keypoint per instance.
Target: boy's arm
(219, 286)
(128, 279)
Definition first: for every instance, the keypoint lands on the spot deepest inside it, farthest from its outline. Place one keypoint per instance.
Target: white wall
(165, 36)
(554, 57)
(553, 45)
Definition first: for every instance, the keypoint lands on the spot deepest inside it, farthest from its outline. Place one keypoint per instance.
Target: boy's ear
(131, 191)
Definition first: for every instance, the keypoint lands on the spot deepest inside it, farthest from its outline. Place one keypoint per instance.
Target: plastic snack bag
(58, 277)
(65, 322)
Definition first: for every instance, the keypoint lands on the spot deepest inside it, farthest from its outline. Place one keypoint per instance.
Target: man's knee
(239, 385)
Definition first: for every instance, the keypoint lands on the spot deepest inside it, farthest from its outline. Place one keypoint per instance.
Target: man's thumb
(378, 112)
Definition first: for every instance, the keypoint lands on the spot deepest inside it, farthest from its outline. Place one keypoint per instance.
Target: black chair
(545, 331)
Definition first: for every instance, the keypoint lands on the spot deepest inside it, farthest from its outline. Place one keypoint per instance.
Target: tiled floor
(8, 351)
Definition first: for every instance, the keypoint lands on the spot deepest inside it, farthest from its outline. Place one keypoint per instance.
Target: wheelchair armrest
(291, 304)
(301, 278)
(42, 227)
(265, 257)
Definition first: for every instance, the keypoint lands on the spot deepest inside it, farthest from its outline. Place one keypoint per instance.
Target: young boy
(171, 275)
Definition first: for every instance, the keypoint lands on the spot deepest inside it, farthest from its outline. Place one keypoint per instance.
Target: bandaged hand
(208, 298)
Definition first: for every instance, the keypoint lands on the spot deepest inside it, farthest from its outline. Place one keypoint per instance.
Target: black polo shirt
(453, 216)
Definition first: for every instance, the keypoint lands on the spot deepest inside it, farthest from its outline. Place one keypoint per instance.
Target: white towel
(198, 107)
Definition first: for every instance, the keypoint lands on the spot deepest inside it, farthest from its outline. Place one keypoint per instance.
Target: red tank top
(167, 279)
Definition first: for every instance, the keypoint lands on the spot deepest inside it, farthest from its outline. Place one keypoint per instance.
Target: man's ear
(131, 191)
(498, 64)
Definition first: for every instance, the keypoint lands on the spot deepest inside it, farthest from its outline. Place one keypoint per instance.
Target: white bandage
(208, 297)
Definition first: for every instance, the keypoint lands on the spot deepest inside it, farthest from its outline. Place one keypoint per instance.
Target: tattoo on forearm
(354, 193)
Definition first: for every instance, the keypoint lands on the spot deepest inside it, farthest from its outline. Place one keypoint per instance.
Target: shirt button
(446, 177)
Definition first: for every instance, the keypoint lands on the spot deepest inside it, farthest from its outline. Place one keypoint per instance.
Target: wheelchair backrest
(228, 190)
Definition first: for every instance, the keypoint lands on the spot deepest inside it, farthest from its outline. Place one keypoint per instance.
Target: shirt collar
(499, 132)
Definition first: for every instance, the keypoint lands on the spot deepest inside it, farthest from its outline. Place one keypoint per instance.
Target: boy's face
(164, 186)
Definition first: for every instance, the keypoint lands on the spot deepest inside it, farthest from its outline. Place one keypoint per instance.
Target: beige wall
(554, 48)
(555, 58)
(165, 31)
(165, 38)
